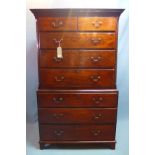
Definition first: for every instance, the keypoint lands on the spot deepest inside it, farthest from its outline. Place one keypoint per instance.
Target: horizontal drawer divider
(83, 69)
(112, 107)
(74, 124)
(99, 50)
(80, 91)
(90, 31)
(78, 108)
(75, 68)
(75, 141)
(109, 31)
(79, 49)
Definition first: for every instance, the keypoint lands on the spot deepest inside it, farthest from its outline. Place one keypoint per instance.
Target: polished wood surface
(76, 12)
(57, 24)
(76, 59)
(76, 132)
(97, 23)
(77, 144)
(77, 40)
(69, 99)
(77, 97)
(74, 78)
(77, 115)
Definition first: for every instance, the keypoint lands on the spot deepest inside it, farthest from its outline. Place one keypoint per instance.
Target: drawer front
(77, 40)
(81, 58)
(77, 100)
(74, 78)
(77, 115)
(76, 132)
(97, 23)
(57, 24)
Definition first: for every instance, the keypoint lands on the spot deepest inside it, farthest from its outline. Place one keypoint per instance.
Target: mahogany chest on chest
(77, 95)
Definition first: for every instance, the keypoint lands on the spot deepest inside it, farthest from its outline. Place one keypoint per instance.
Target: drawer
(77, 99)
(77, 115)
(78, 58)
(57, 24)
(74, 78)
(97, 23)
(77, 40)
(76, 132)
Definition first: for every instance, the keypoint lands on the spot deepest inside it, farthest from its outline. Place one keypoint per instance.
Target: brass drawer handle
(57, 116)
(96, 132)
(97, 23)
(59, 79)
(98, 116)
(97, 100)
(56, 59)
(95, 78)
(96, 41)
(95, 59)
(57, 42)
(57, 23)
(57, 99)
(58, 132)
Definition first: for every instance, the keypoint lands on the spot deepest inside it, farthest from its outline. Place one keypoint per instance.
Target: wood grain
(77, 40)
(77, 144)
(77, 78)
(77, 96)
(97, 23)
(69, 99)
(57, 23)
(76, 132)
(76, 12)
(77, 115)
(78, 59)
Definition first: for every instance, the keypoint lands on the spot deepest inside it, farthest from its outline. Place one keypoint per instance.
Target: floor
(122, 146)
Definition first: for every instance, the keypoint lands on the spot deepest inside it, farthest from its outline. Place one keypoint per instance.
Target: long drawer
(47, 99)
(77, 78)
(76, 132)
(77, 115)
(78, 40)
(78, 58)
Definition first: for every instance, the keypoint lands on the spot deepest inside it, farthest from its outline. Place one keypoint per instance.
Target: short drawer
(67, 99)
(77, 78)
(78, 58)
(97, 23)
(77, 115)
(76, 132)
(57, 24)
(78, 40)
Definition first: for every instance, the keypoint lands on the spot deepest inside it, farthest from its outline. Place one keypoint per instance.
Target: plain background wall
(31, 50)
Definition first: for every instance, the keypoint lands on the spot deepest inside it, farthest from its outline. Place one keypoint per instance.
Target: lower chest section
(69, 116)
